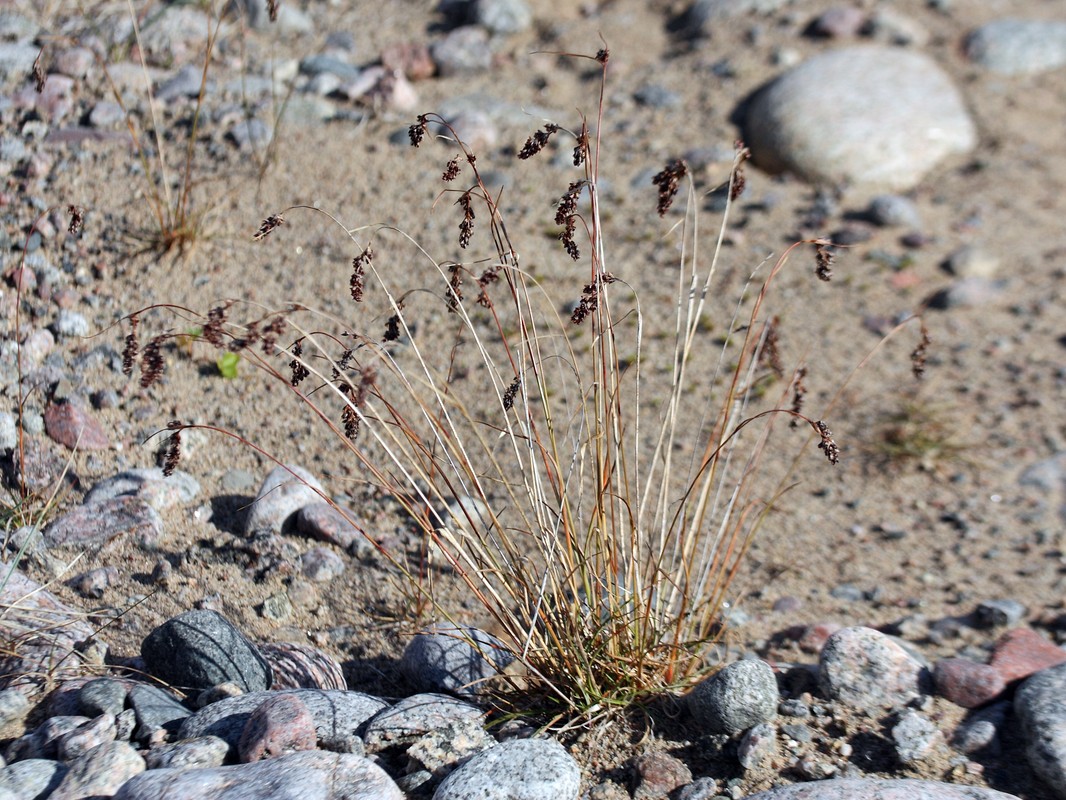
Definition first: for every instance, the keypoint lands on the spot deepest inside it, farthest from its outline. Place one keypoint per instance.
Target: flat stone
(414, 717)
(1021, 652)
(74, 427)
(530, 769)
(300, 666)
(339, 716)
(149, 485)
(101, 523)
(200, 649)
(871, 117)
(737, 697)
(312, 775)
(321, 521)
(156, 710)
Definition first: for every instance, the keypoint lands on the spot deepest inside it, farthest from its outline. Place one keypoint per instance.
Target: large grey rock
(519, 769)
(867, 669)
(339, 716)
(34, 777)
(414, 717)
(311, 775)
(879, 789)
(735, 698)
(1018, 46)
(1040, 706)
(100, 772)
(201, 649)
(875, 117)
(284, 492)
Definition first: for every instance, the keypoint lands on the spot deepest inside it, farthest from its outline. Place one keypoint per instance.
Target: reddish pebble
(658, 774)
(1019, 653)
(410, 58)
(967, 683)
(282, 724)
(74, 427)
(815, 636)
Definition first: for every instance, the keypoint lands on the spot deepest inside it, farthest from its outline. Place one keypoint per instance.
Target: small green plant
(599, 529)
(227, 365)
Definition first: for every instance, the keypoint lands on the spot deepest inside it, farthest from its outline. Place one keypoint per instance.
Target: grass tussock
(600, 530)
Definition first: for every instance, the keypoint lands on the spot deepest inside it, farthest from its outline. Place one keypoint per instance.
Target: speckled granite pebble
(530, 769)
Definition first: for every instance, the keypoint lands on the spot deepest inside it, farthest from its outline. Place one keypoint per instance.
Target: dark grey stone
(735, 698)
(453, 659)
(155, 710)
(1040, 706)
(200, 649)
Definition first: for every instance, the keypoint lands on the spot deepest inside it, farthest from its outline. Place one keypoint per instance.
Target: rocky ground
(899, 616)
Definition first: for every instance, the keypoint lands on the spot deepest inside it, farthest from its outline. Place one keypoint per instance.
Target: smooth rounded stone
(531, 769)
(456, 659)
(149, 485)
(14, 708)
(106, 115)
(1021, 652)
(914, 736)
(321, 565)
(879, 789)
(324, 522)
(74, 427)
(694, 20)
(70, 324)
(999, 613)
(323, 64)
(655, 96)
(502, 16)
(156, 710)
(414, 717)
(867, 669)
(968, 293)
(757, 746)
(463, 50)
(657, 774)
(972, 262)
(838, 22)
(313, 775)
(100, 772)
(474, 128)
(1018, 46)
(284, 492)
(894, 211)
(967, 683)
(48, 630)
(700, 789)
(95, 582)
(42, 741)
(281, 724)
(81, 740)
(248, 134)
(101, 523)
(38, 345)
(339, 716)
(871, 117)
(33, 777)
(737, 697)
(200, 752)
(980, 730)
(200, 649)
(301, 666)
(1040, 706)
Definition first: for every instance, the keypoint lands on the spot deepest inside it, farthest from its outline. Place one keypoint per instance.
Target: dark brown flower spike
(272, 9)
(213, 333)
(359, 264)
(392, 328)
(919, 353)
(511, 393)
(173, 456)
(824, 258)
(273, 330)
(77, 219)
(603, 56)
(417, 132)
(152, 363)
(299, 371)
(38, 73)
(537, 142)
(668, 181)
(129, 350)
(769, 353)
(451, 170)
(455, 292)
(466, 227)
(582, 148)
(799, 393)
(827, 445)
(739, 179)
(270, 224)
